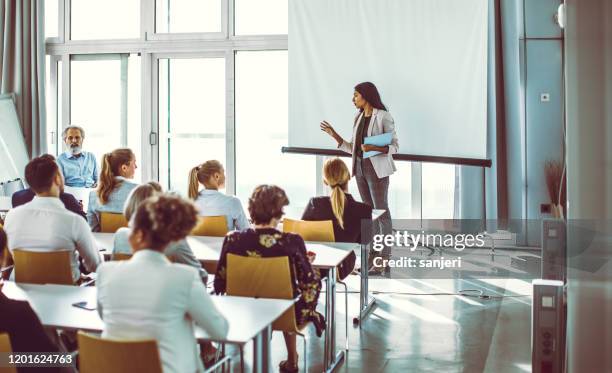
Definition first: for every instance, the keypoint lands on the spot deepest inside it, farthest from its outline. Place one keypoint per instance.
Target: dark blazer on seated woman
(25, 330)
(320, 208)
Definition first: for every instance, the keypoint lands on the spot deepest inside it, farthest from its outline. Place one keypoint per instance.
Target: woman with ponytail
(209, 201)
(340, 207)
(114, 186)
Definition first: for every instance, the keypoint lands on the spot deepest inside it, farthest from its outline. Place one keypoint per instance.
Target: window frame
(152, 46)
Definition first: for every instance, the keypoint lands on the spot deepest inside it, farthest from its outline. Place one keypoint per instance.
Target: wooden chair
(265, 278)
(321, 231)
(110, 222)
(43, 267)
(121, 256)
(5, 346)
(98, 355)
(215, 226)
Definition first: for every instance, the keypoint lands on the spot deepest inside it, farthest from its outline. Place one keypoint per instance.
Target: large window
(262, 129)
(105, 101)
(184, 81)
(191, 116)
(188, 16)
(261, 17)
(104, 19)
(51, 18)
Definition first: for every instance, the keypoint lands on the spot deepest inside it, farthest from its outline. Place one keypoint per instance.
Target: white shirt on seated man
(44, 224)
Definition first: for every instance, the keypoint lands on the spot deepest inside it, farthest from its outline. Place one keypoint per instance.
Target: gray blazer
(381, 122)
(177, 252)
(116, 201)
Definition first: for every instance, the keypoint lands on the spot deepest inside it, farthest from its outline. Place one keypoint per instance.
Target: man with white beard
(79, 167)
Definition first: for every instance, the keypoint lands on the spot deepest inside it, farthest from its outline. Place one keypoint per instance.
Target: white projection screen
(428, 59)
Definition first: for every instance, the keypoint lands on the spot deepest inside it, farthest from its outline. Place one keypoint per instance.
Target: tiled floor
(407, 332)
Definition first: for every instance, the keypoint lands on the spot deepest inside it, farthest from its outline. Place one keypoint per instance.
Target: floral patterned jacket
(269, 242)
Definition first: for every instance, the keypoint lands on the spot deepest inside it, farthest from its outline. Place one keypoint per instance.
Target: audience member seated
(149, 297)
(118, 168)
(211, 202)
(45, 225)
(21, 323)
(344, 212)
(79, 167)
(177, 252)
(264, 240)
(24, 196)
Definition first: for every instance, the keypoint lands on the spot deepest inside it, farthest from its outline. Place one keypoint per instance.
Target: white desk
(328, 256)
(249, 318)
(5, 203)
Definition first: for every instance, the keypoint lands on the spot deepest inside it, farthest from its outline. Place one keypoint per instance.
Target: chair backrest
(262, 278)
(121, 256)
(117, 356)
(322, 230)
(5, 346)
(43, 267)
(210, 226)
(110, 222)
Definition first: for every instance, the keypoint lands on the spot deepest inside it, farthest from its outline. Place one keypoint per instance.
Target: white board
(13, 151)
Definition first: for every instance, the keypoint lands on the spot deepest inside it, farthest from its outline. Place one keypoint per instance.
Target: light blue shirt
(115, 203)
(214, 203)
(79, 171)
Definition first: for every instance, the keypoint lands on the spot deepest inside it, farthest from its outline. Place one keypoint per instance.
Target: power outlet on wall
(545, 208)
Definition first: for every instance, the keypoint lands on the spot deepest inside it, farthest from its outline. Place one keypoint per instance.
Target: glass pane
(261, 17)
(438, 190)
(400, 191)
(105, 19)
(262, 84)
(184, 16)
(191, 117)
(51, 18)
(100, 105)
(186, 153)
(52, 107)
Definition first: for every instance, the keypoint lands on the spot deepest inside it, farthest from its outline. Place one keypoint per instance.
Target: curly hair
(266, 203)
(163, 219)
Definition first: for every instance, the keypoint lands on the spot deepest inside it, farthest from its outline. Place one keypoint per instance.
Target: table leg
(331, 358)
(365, 302)
(262, 352)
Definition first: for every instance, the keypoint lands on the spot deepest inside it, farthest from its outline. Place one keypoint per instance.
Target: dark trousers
(374, 191)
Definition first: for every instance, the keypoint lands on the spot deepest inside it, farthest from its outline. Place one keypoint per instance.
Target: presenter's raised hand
(327, 128)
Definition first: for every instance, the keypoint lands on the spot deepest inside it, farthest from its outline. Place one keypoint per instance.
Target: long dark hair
(369, 92)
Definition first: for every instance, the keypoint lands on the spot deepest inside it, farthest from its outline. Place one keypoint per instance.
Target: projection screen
(428, 59)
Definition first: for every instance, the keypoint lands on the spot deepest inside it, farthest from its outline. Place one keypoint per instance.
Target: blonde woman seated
(114, 186)
(340, 207)
(149, 297)
(177, 252)
(209, 201)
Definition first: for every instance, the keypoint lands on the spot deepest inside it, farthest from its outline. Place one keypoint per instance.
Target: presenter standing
(371, 173)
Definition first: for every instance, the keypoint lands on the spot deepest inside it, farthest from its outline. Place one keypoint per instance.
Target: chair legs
(346, 318)
(305, 351)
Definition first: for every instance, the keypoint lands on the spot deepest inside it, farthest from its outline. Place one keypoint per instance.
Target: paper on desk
(383, 139)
